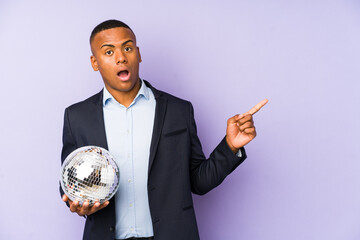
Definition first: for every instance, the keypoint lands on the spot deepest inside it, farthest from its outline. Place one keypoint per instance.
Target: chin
(126, 86)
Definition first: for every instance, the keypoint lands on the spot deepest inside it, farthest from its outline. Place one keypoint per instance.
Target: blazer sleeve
(69, 143)
(207, 174)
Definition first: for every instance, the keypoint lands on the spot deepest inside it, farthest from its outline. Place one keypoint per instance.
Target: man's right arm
(69, 145)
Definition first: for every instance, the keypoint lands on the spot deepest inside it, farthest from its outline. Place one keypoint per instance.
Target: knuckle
(81, 212)
(250, 130)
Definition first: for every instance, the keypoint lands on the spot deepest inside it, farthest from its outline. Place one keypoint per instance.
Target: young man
(152, 136)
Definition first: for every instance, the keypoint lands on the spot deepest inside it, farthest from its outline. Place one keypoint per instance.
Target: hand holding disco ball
(85, 208)
(89, 178)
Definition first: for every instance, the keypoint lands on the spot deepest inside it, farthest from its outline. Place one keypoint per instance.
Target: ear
(139, 54)
(94, 63)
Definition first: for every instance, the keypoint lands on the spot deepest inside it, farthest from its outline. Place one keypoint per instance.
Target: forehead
(114, 36)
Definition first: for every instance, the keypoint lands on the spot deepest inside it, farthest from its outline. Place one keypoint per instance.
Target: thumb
(65, 198)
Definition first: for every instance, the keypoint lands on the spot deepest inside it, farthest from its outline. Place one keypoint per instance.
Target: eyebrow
(110, 45)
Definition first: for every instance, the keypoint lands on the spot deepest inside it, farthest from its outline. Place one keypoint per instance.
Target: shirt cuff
(239, 154)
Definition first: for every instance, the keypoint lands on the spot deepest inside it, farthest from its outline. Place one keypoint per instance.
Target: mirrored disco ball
(90, 173)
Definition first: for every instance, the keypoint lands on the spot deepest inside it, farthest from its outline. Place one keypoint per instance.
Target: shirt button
(128, 155)
(128, 131)
(130, 204)
(132, 229)
(129, 180)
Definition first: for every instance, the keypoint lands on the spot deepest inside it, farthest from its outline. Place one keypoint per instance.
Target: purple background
(302, 176)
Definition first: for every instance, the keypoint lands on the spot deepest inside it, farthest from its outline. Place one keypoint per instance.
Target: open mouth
(123, 75)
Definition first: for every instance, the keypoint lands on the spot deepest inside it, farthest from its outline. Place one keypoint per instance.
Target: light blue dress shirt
(128, 133)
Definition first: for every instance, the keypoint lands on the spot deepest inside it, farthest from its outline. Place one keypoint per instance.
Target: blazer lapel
(160, 110)
(99, 125)
(101, 141)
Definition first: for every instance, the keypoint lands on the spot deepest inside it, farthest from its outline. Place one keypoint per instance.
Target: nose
(120, 58)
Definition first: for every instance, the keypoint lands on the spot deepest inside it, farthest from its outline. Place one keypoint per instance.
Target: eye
(128, 49)
(109, 52)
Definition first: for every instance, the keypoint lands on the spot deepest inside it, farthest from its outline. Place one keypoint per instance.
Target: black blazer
(177, 165)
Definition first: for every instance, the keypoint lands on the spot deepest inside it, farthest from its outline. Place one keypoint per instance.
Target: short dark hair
(113, 23)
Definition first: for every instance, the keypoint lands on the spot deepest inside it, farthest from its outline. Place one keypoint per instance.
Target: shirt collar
(143, 91)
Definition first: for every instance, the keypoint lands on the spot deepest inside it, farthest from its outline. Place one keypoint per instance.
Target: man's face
(117, 57)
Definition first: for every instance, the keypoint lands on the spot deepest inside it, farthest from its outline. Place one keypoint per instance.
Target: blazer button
(112, 229)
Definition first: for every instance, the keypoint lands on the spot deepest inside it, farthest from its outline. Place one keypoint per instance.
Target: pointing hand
(240, 128)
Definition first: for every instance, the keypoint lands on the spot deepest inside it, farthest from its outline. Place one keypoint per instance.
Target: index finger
(258, 106)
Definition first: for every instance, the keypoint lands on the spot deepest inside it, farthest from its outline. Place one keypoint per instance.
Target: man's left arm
(206, 174)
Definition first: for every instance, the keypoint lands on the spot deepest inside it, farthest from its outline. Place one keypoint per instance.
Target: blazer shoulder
(85, 104)
(177, 104)
(166, 96)
(174, 99)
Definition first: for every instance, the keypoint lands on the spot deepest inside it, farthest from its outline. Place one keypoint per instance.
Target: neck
(126, 98)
